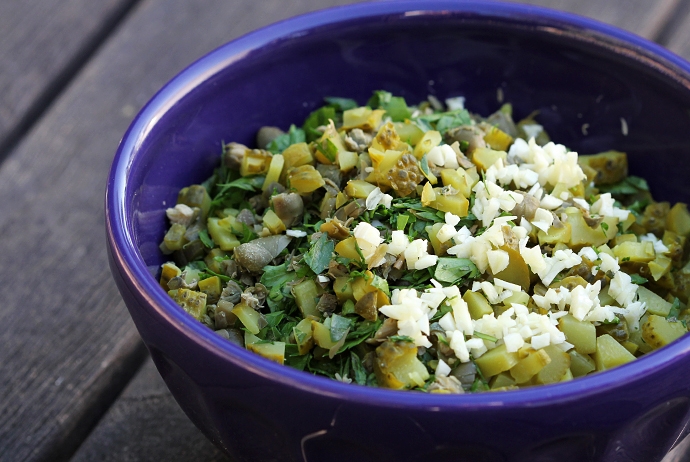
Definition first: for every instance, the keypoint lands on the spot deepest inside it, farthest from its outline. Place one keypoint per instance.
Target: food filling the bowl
(429, 248)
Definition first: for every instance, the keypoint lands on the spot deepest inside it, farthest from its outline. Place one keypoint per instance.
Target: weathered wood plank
(146, 424)
(677, 37)
(642, 17)
(43, 44)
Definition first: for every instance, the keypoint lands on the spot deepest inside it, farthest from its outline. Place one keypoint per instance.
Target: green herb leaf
(358, 371)
(444, 121)
(401, 222)
(320, 254)
(453, 269)
(359, 333)
(637, 279)
(630, 185)
(381, 284)
(246, 183)
(233, 193)
(294, 135)
(315, 120)
(487, 337)
(604, 227)
(275, 278)
(675, 310)
(294, 359)
(206, 239)
(395, 106)
(341, 104)
(400, 338)
(424, 165)
(328, 149)
(340, 325)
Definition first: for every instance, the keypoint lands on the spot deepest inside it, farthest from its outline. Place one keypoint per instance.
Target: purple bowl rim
(128, 259)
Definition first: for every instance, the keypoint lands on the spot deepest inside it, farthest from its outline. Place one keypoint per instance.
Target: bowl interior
(596, 88)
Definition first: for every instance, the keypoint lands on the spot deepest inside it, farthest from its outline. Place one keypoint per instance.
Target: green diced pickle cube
(213, 259)
(168, 271)
(212, 287)
(303, 336)
(174, 239)
(191, 301)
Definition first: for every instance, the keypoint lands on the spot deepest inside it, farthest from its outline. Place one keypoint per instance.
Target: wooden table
(75, 379)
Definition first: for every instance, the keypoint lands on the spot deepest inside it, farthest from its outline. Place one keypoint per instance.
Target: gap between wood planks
(667, 26)
(55, 87)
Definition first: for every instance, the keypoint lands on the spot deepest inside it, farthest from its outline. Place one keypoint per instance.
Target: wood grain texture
(43, 43)
(678, 31)
(643, 17)
(68, 344)
(146, 424)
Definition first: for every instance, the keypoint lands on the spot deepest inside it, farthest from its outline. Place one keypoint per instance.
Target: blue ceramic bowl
(575, 71)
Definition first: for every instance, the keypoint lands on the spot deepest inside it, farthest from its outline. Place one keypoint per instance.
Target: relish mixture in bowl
(429, 248)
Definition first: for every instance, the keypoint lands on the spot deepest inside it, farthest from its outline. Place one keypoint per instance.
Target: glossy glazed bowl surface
(596, 88)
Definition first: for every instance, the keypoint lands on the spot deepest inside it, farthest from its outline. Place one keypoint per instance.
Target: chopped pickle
(362, 117)
(212, 288)
(431, 139)
(554, 370)
(359, 189)
(275, 169)
(486, 157)
(582, 234)
(659, 331)
(477, 304)
(635, 251)
(517, 271)
(654, 303)
(306, 294)
(610, 167)
(274, 224)
(528, 367)
(304, 337)
(581, 334)
(502, 381)
(222, 235)
(397, 366)
(214, 258)
(495, 361)
(255, 162)
(304, 179)
(168, 271)
(402, 247)
(347, 248)
(581, 365)
(498, 139)
(610, 353)
(191, 301)
(175, 237)
(322, 335)
(249, 317)
(678, 219)
(275, 351)
(366, 306)
(457, 204)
